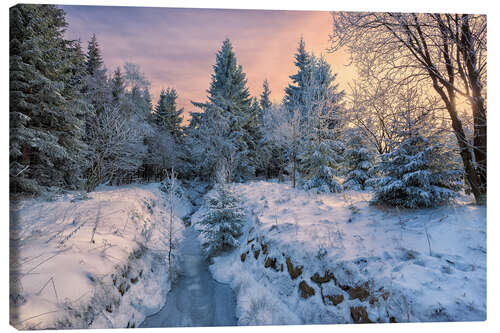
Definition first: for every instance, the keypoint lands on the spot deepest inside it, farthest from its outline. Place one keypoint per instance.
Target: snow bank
(332, 258)
(91, 261)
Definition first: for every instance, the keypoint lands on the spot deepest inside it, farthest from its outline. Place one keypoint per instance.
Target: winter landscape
(338, 196)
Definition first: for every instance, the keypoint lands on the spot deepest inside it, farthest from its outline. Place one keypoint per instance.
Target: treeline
(74, 127)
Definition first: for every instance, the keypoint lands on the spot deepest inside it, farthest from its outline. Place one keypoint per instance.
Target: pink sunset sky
(176, 47)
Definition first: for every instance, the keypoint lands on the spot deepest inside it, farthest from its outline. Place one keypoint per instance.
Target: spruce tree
(228, 117)
(223, 221)
(46, 106)
(148, 101)
(316, 168)
(295, 93)
(94, 60)
(265, 147)
(228, 90)
(415, 175)
(247, 157)
(320, 127)
(358, 161)
(117, 86)
(168, 117)
(96, 87)
(265, 102)
(160, 109)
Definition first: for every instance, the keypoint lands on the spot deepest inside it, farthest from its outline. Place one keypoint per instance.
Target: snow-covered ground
(332, 258)
(91, 261)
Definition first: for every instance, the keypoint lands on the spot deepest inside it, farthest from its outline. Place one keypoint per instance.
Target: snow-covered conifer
(294, 93)
(227, 127)
(117, 86)
(358, 162)
(46, 105)
(265, 102)
(316, 168)
(223, 221)
(320, 125)
(415, 175)
(167, 115)
(96, 87)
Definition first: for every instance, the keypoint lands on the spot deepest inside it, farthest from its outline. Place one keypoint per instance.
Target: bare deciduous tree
(448, 51)
(387, 113)
(118, 147)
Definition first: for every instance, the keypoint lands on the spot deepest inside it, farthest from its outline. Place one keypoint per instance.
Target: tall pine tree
(265, 102)
(294, 98)
(167, 115)
(319, 110)
(117, 86)
(229, 117)
(96, 87)
(46, 107)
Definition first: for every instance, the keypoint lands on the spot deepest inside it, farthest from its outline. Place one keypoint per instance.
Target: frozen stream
(195, 299)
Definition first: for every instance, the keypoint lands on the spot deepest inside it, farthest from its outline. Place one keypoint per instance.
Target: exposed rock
(256, 254)
(322, 279)
(335, 299)
(123, 288)
(359, 315)
(243, 256)
(294, 272)
(306, 290)
(270, 262)
(360, 292)
(264, 248)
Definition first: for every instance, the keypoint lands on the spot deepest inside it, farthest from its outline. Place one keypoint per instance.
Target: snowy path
(195, 299)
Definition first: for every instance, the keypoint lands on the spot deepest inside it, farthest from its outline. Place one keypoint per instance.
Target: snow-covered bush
(358, 160)
(118, 148)
(415, 175)
(221, 225)
(166, 186)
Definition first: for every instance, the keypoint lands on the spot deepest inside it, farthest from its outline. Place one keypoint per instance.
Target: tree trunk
(465, 152)
(478, 107)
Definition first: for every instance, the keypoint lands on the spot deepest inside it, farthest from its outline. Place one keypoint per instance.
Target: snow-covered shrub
(222, 223)
(358, 160)
(415, 175)
(118, 147)
(166, 185)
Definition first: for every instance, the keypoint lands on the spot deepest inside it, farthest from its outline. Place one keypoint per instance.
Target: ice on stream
(195, 299)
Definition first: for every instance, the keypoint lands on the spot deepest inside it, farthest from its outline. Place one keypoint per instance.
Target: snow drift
(94, 260)
(311, 258)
